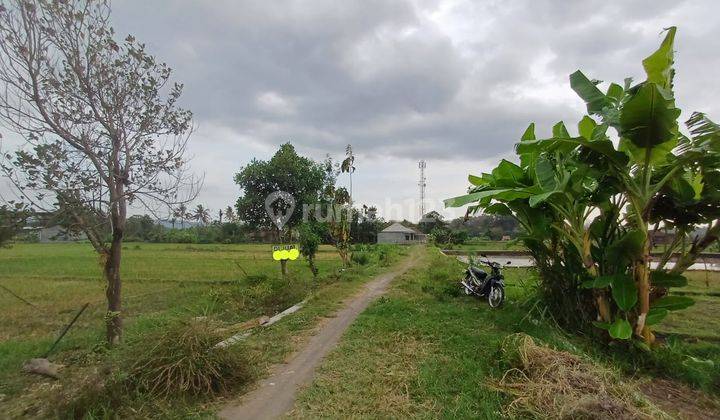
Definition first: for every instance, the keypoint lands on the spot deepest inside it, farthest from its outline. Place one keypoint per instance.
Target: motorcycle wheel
(496, 296)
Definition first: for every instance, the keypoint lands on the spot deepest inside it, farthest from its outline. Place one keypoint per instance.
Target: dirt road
(275, 395)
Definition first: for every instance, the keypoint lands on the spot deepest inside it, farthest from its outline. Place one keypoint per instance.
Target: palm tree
(347, 165)
(201, 214)
(181, 213)
(220, 215)
(229, 214)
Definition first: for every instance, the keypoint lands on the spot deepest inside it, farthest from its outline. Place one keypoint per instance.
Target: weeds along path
(275, 395)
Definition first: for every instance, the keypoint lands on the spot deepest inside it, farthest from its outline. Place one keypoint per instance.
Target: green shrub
(269, 295)
(442, 281)
(361, 257)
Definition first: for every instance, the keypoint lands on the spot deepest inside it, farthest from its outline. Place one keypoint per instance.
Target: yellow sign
(285, 252)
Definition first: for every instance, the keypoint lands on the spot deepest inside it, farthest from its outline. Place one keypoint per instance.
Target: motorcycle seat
(480, 274)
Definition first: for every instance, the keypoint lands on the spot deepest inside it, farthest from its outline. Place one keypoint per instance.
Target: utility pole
(422, 185)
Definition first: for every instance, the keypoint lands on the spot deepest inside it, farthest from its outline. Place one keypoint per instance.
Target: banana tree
(601, 199)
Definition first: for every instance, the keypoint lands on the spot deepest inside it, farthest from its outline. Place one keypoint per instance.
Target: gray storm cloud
(454, 82)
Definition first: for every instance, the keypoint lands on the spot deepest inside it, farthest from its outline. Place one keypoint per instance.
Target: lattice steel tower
(422, 185)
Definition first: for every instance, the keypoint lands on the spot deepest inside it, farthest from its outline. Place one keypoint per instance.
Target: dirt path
(275, 395)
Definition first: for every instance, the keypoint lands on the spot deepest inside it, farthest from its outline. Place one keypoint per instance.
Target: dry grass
(182, 360)
(547, 383)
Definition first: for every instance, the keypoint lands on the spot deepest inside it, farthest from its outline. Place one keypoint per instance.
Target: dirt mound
(547, 383)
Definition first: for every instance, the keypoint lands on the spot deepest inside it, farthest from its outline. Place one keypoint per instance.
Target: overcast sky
(451, 82)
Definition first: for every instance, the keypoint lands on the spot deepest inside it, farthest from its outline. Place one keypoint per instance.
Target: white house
(399, 234)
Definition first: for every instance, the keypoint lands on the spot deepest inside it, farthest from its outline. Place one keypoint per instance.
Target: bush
(361, 257)
(181, 360)
(268, 296)
(442, 280)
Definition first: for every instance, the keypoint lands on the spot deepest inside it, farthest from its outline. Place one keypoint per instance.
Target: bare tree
(101, 121)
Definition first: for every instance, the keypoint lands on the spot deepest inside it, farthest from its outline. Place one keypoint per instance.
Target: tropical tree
(430, 221)
(201, 214)
(587, 206)
(285, 172)
(309, 242)
(181, 212)
(230, 214)
(365, 225)
(339, 211)
(101, 122)
(348, 166)
(12, 220)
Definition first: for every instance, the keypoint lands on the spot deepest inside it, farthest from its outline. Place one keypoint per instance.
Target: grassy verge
(93, 372)
(424, 351)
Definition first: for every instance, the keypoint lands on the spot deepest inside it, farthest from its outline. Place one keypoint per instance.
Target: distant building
(53, 233)
(506, 238)
(658, 237)
(399, 234)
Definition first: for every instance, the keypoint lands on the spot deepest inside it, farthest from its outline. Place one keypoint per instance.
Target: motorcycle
(479, 284)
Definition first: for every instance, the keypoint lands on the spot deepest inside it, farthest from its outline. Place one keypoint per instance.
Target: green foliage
(285, 171)
(269, 295)
(620, 329)
(365, 225)
(309, 243)
(586, 206)
(361, 257)
(12, 219)
(444, 236)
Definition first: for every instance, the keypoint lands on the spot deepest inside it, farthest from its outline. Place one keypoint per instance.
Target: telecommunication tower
(422, 185)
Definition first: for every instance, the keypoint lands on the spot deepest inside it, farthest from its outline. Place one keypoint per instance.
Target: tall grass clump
(361, 257)
(176, 361)
(268, 295)
(182, 360)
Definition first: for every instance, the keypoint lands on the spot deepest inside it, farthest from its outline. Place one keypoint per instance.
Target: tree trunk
(603, 306)
(113, 318)
(313, 268)
(641, 271)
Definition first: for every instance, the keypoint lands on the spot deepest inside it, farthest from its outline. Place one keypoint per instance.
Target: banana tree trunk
(641, 271)
(603, 305)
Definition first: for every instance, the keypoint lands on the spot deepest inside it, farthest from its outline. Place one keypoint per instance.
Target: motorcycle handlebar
(493, 263)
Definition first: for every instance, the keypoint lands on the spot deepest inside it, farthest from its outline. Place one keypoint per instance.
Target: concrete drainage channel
(241, 336)
(708, 261)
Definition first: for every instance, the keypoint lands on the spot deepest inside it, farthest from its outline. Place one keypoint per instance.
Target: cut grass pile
(548, 383)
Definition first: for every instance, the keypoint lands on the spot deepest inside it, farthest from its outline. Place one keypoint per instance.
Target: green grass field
(422, 351)
(162, 282)
(419, 351)
(60, 277)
